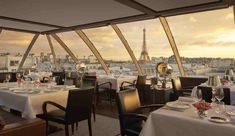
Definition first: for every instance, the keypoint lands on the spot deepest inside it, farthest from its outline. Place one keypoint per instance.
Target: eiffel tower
(144, 57)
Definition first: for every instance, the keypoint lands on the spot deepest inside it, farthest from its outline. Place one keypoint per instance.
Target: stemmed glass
(198, 96)
(18, 77)
(8, 78)
(219, 94)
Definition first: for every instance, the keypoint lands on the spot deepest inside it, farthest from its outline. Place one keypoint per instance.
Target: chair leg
(89, 126)
(66, 130)
(76, 125)
(47, 128)
(72, 127)
(93, 110)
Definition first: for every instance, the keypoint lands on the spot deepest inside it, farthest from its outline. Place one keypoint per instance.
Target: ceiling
(52, 16)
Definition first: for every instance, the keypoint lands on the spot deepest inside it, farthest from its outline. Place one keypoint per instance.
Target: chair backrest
(89, 81)
(141, 80)
(128, 101)
(60, 77)
(79, 104)
(176, 84)
(207, 94)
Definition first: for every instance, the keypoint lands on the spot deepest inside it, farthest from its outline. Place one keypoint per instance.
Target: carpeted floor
(104, 126)
(106, 123)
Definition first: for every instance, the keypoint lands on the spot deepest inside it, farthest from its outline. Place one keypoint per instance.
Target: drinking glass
(219, 94)
(198, 95)
(8, 77)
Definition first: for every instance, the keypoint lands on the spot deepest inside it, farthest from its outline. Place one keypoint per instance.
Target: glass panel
(12, 48)
(112, 50)
(206, 41)
(82, 52)
(158, 47)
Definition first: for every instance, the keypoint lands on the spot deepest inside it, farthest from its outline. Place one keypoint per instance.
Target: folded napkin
(186, 99)
(70, 86)
(203, 84)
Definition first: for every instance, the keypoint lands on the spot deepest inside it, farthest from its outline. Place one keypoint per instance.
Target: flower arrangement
(225, 82)
(202, 106)
(37, 83)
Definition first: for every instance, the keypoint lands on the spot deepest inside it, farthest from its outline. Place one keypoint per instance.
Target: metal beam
(127, 46)
(171, 40)
(138, 6)
(27, 51)
(30, 22)
(19, 30)
(57, 38)
(234, 13)
(91, 46)
(52, 48)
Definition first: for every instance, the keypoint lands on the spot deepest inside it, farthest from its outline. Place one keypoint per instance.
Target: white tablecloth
(164, 122)
(232, 93)
(116, 82)
(31, 104)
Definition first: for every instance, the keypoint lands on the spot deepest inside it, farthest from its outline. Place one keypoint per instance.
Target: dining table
(116, 80)
(230, 86)
(28, 99)
(174, 122)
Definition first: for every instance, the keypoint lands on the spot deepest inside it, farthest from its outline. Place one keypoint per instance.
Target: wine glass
(219, 94)
(8, 78)
(198, 95)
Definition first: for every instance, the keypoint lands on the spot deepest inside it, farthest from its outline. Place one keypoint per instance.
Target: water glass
(219, 94)
(198, 95)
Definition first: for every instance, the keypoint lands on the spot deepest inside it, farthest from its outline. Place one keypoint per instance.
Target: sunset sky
(205, 34)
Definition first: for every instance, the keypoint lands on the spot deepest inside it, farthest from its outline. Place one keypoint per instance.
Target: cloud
(193, 19)
(229, 16)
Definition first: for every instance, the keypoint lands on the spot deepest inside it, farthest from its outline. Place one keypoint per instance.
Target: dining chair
(91, 81)
(207, 94)
(104, 89)
(78, 108)
(59, 77)
(178, 90)
(140, 84)
(45, 80)
(131, 117)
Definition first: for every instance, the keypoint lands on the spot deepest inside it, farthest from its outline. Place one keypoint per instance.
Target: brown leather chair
(104, 89)
(91, 81)
(78, 108)
(140, 84)
(60, 77)
(130, 115)
(207, 94)
(178, 90)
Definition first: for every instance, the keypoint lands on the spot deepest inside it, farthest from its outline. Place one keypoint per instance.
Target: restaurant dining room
(117, 68)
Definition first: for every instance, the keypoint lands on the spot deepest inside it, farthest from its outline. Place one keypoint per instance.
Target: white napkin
(186, 99)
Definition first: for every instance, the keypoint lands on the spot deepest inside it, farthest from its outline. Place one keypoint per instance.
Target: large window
(206, 41)
(112, 50)
(157, 45)
(12, 48)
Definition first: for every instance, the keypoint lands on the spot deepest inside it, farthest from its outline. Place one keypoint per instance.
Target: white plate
(231, 112)
(218, 119)
(177, 105)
